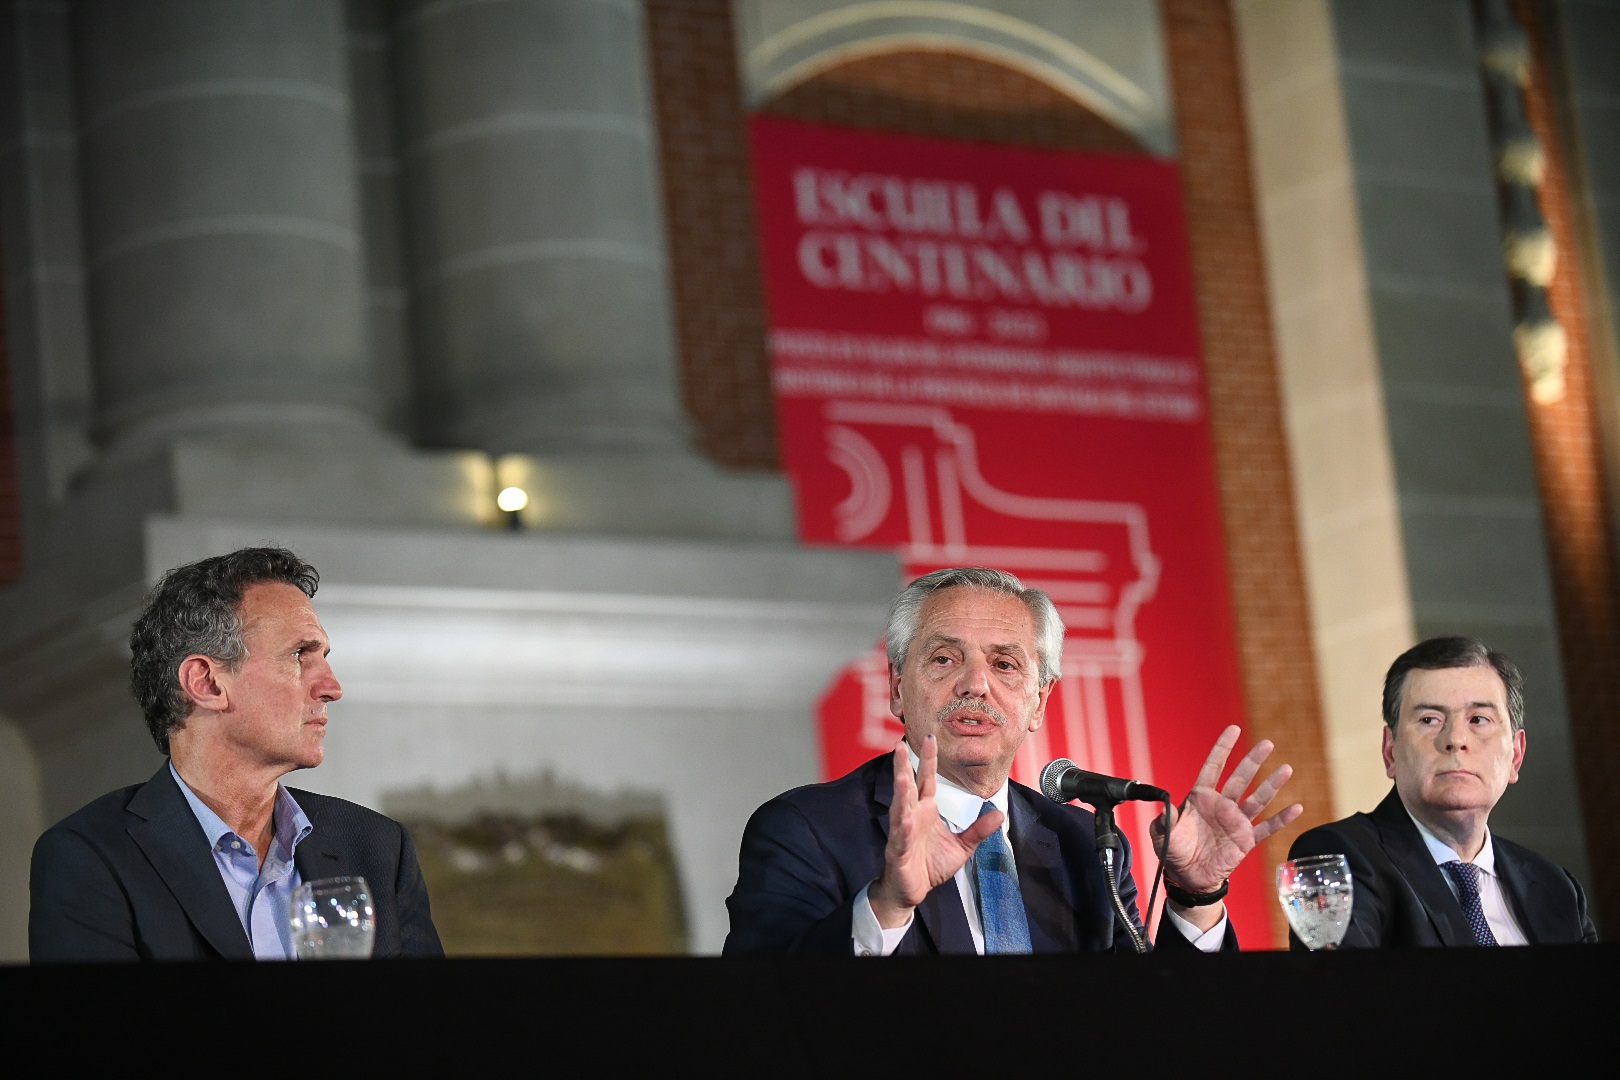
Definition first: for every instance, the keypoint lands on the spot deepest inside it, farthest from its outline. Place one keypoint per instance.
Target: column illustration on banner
(1098, 569)
(1098, 575)
(990, 355)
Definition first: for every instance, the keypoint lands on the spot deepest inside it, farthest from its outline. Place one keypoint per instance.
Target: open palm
(922, 852)
(1213, 830)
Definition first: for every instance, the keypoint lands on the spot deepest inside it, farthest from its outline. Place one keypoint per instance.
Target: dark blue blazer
(1401, 896)
(131, 877)
(806, 854)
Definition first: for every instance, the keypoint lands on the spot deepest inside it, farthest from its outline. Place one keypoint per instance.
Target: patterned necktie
(1466, 877)
(1001, 905)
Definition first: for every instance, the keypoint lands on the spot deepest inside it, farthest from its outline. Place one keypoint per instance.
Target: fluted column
(221, 220)
(540, 303)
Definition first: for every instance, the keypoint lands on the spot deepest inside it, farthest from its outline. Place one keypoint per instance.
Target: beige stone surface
(1361, 615)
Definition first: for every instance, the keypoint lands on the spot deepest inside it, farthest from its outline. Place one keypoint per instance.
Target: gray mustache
(973, 705)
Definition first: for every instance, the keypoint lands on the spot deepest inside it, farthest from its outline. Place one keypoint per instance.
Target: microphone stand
(1110, 850)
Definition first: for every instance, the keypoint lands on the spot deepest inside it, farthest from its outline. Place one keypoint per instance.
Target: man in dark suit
(934, 850)
(229, 664)
(1426, 869)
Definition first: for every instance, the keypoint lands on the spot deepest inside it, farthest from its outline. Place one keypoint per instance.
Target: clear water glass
(332, 919)
(1317, 896)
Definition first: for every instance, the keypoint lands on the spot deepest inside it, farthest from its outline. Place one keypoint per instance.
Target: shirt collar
(957, 805)
(288, 821)
(1443, 853)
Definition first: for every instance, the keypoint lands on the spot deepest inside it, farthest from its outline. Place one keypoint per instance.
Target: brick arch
(949, 94)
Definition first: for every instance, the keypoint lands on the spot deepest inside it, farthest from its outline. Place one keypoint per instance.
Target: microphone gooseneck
(1062, 781)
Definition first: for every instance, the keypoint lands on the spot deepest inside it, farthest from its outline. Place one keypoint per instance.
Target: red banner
(989, 355)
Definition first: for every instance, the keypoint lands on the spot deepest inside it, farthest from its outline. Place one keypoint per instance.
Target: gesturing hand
(1213, 830)
(922, 852)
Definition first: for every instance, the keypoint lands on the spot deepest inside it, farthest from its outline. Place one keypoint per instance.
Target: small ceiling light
(512, 499)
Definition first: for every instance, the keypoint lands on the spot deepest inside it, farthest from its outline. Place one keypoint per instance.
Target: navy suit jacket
(1401, 896)
(131, 877)
(806, 854)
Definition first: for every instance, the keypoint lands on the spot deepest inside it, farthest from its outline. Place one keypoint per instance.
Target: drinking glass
(332, 919)
(1317, 897)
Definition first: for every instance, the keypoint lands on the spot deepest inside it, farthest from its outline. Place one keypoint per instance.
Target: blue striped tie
(1001, 905)
(1465, 876)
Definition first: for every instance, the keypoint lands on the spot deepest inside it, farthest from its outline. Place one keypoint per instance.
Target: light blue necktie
(1466, 877)
(1001, 905)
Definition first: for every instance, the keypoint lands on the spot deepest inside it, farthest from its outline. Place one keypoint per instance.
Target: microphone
(1064, 780)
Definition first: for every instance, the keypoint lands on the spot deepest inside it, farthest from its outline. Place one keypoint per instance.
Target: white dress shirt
(959, 808)
(1492, 900)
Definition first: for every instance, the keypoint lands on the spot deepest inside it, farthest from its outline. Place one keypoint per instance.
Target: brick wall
(1567, 446)
(1251, 449)
(709, 208)
(715, 266)
(10, 501)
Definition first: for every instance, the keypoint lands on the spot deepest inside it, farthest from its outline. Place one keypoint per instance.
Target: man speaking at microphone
(934, 850)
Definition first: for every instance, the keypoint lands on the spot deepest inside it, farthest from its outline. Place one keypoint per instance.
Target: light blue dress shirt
(260, 894)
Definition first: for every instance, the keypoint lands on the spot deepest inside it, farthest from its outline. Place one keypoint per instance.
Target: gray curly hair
(904, 613)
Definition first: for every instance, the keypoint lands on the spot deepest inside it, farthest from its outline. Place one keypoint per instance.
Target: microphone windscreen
(1051, 779)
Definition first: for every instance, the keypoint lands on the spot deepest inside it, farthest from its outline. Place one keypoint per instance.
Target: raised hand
(922, 852)
(1213, 830)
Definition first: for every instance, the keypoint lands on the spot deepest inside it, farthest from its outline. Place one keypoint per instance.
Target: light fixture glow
(512, 499)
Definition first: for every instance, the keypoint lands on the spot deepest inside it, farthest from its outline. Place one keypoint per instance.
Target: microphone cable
(1158, 874)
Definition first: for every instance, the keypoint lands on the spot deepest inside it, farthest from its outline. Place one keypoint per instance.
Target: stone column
(540, 298)
(1471, 521)
(221, 221)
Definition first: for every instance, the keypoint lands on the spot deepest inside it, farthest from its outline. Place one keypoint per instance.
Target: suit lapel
(177, 848)
(1048, 897)
(941, 911)
(1405, 848)
(316, 856)
(1538, 921)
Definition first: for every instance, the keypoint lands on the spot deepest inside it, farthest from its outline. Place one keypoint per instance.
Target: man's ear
(200, 682)
(1518, 756)
(1038, 717)
(1389, 751)
(894, 693)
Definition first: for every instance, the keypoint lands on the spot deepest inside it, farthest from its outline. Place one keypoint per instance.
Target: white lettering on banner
(1100, 224)
(985, 394)
(815, 363)
(828, 347)
(951, 208)
(862, 263)
(851, 242)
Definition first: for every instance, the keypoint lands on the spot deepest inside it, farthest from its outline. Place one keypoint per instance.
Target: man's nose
(327, 687)
(1454, 734)
(973, 679)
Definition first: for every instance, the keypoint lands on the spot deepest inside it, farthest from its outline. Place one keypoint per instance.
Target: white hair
(904, 612)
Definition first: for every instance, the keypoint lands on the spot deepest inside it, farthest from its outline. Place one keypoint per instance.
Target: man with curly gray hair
(229, 664)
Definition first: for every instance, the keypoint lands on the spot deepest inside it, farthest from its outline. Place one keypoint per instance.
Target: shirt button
(236, 844)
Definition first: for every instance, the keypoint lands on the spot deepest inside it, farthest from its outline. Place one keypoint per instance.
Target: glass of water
(1317, 897)
(332, 919)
